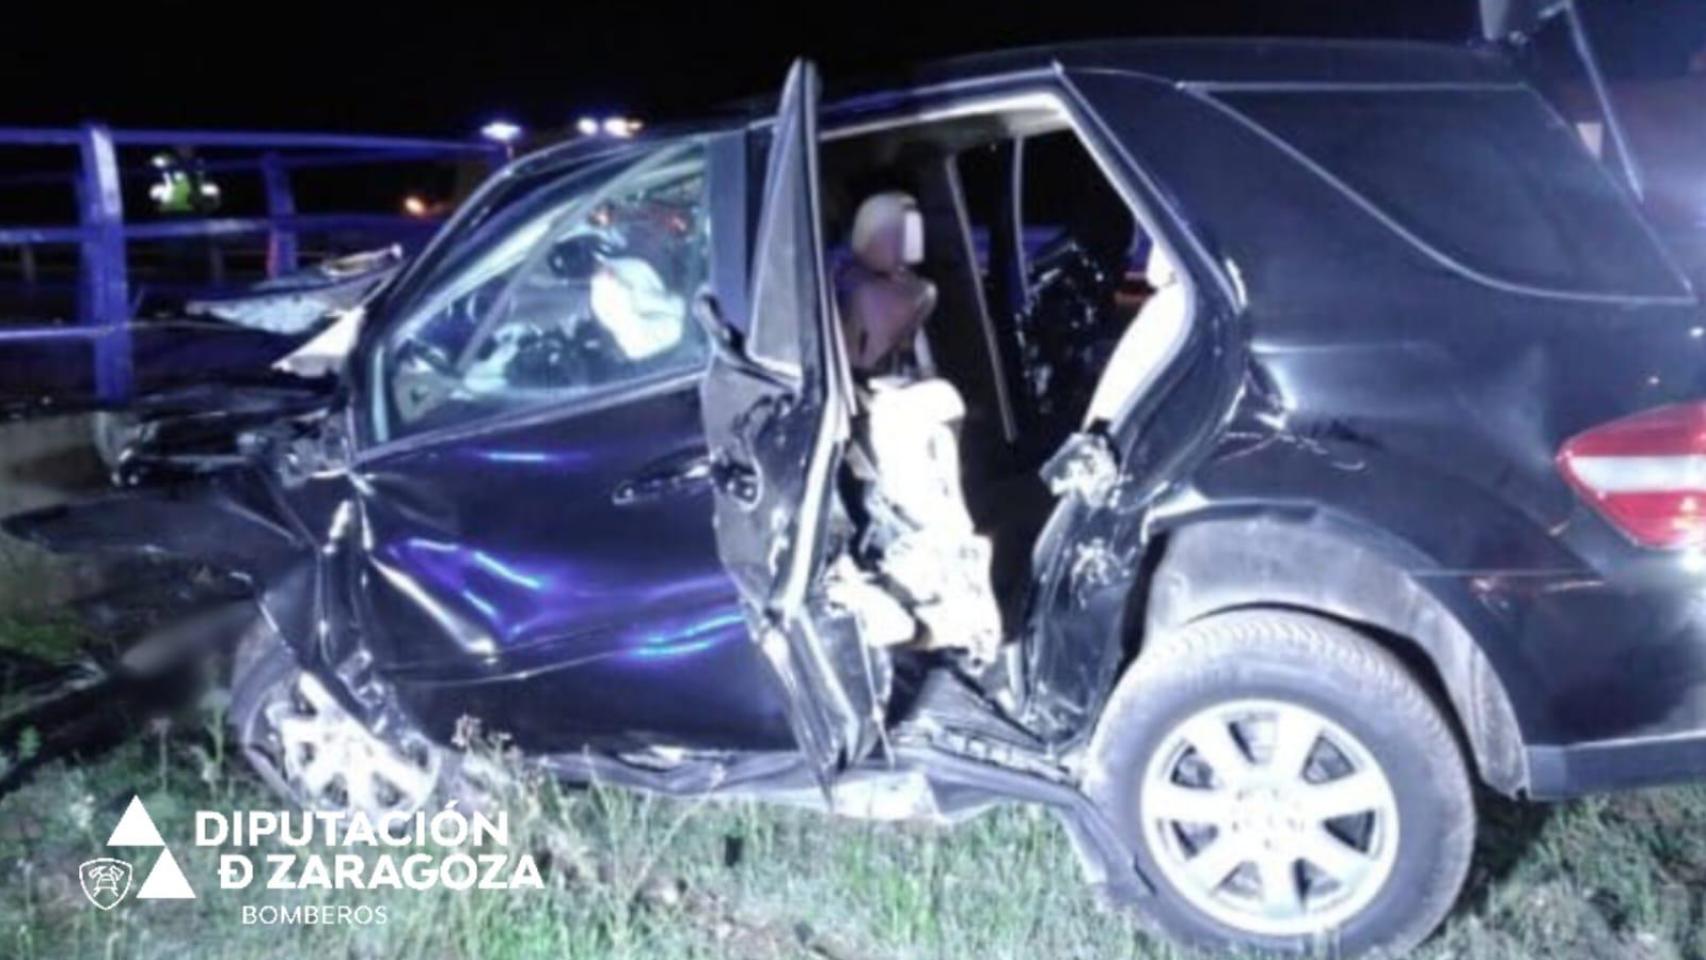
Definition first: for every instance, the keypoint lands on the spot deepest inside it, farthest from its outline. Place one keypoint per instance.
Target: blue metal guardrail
(101, 234)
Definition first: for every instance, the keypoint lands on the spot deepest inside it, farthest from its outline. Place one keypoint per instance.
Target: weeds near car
(634, 876)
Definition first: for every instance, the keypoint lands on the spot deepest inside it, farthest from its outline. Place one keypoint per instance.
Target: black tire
(1341, 675)
(261, 665)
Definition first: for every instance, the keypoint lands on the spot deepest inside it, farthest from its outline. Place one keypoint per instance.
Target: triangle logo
(136, 828)
(166, 881)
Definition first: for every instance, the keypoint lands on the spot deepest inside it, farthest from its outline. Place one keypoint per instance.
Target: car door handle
(736, 480)
(677, 478)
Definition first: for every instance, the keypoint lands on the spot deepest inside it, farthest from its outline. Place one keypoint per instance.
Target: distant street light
(619, 127)
(503, 132)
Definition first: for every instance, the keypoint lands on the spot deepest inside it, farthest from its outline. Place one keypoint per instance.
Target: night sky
(443, 69)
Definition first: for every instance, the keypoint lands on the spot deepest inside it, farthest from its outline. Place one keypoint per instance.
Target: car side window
(1491, 178)
(584, 297)
(773, 343)
(1078, 277)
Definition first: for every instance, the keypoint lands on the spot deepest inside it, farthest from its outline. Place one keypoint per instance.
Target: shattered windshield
(578, 288)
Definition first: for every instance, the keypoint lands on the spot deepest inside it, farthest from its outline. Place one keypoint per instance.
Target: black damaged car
(1241, 448)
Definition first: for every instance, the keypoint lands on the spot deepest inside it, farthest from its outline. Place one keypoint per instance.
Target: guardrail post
(281, 203)
(104, 294)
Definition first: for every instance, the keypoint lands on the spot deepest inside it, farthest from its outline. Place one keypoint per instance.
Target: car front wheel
(1287, 785)
(311, 751)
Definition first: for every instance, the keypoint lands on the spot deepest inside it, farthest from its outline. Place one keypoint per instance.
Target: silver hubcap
(335, 762)
(1269, 817)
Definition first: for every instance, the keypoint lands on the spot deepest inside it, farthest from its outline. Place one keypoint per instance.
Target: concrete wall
(43, 462)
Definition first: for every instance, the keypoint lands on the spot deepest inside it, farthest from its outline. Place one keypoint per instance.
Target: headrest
(888, 232)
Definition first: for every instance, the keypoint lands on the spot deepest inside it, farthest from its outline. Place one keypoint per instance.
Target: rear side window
(1491, 178)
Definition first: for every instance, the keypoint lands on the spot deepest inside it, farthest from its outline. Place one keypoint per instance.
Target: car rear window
(1491, 178)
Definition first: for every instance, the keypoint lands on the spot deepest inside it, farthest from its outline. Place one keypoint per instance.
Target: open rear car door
(776, 402)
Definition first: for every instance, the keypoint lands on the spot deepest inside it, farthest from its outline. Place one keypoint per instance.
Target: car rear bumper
(1615, 667)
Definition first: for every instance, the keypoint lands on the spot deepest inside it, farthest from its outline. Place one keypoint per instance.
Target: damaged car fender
(1318, 562)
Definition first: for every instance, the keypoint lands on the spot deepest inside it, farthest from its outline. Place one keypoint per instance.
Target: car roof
(1197, 61)
(1204, 61)
(1213, 61)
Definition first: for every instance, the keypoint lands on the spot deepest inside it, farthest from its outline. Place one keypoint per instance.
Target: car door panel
(501, 578)
(533, 542)
(776, 406)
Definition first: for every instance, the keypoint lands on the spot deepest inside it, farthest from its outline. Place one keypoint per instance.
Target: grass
(643, 877)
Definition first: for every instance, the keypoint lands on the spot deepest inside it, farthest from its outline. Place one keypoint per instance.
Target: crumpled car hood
(300, 302)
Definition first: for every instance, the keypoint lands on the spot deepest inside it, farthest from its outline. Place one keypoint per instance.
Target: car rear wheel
(1287, 785)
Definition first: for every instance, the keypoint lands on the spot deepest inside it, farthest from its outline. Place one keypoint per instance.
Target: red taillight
(1646, 474)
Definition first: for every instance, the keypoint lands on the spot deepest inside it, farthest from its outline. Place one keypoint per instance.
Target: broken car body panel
(1452, 405)
(231, 343)
(300, 302)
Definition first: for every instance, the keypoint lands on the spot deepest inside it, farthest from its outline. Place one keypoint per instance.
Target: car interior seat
(1151, 340)
(920, 535)
(926, 544)
(884, 302)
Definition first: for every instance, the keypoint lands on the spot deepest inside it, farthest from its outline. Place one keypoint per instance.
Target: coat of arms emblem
(105, 881)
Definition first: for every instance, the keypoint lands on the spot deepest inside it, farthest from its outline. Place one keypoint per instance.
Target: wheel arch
(1213, 566)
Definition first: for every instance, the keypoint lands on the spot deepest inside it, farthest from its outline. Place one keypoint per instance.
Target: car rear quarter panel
(1426, 405)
